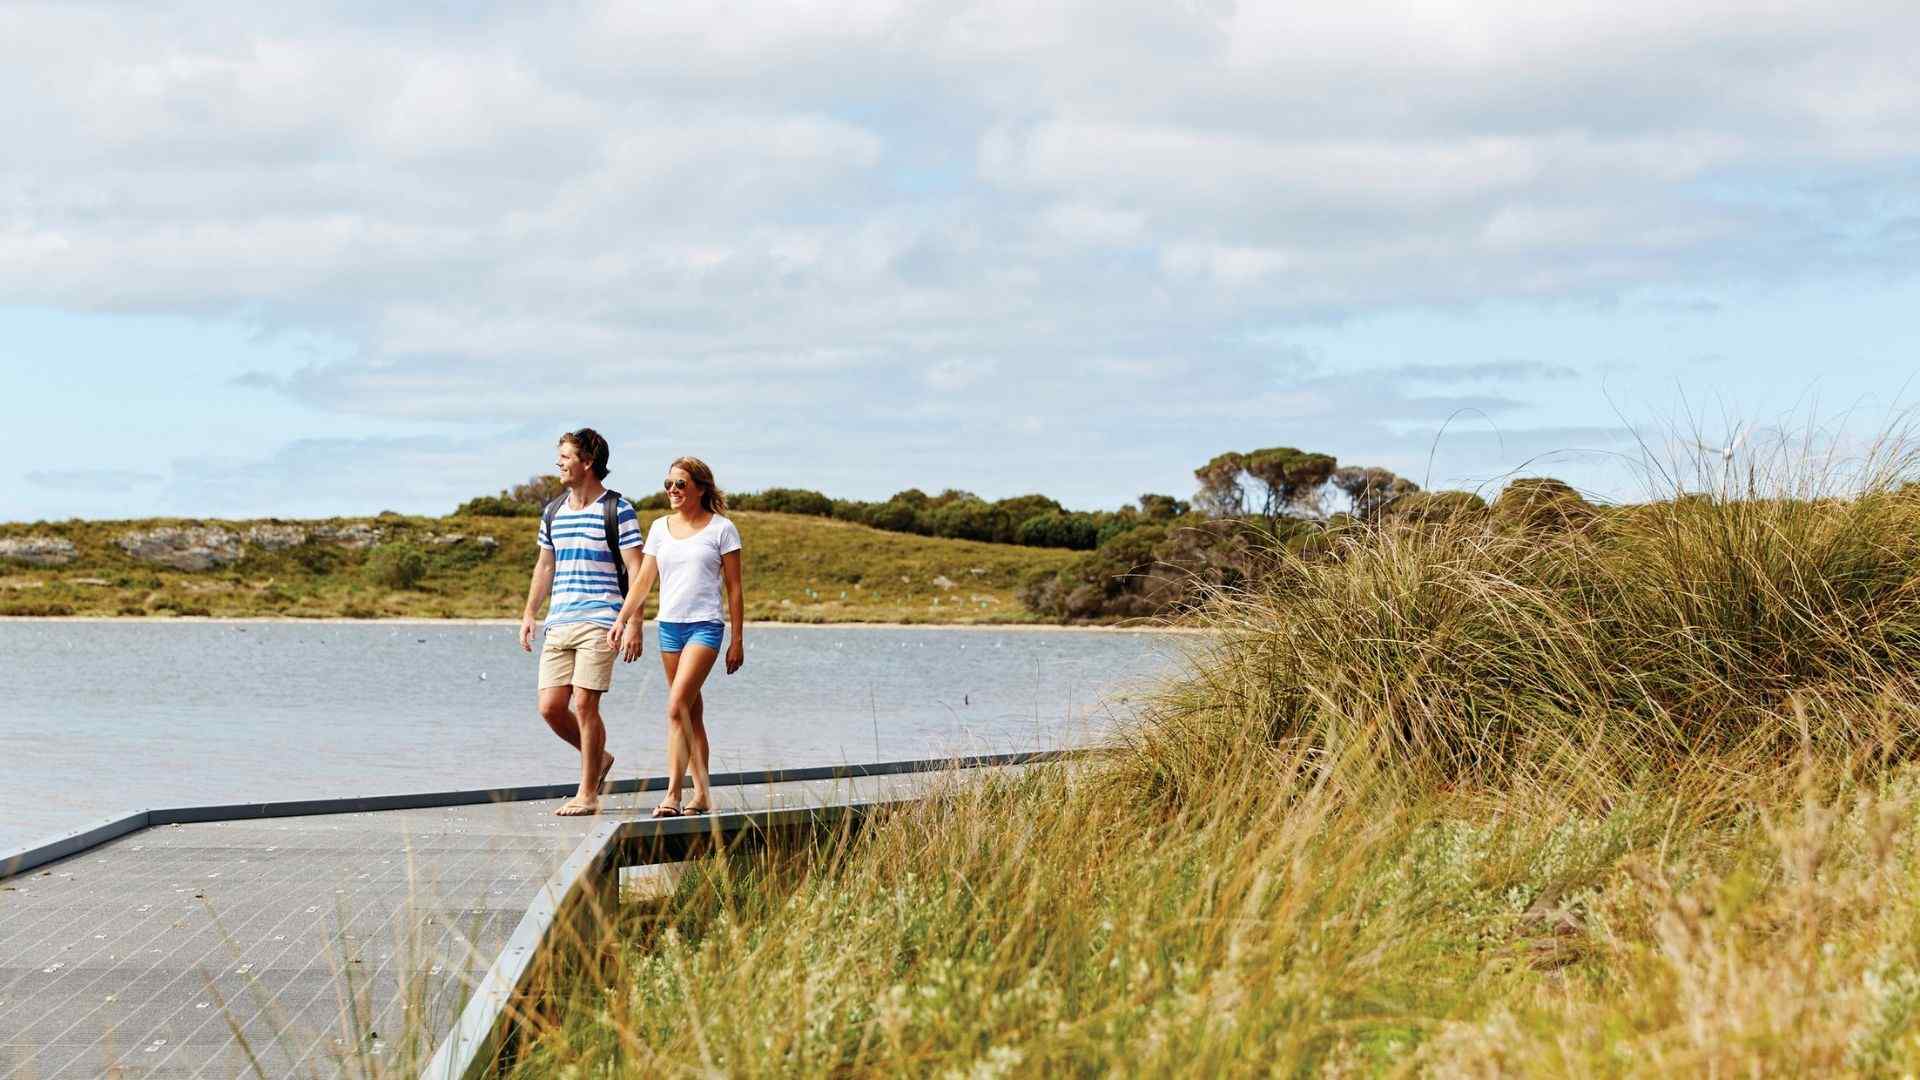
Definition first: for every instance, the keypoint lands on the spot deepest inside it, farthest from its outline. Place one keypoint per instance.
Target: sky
(352, 257)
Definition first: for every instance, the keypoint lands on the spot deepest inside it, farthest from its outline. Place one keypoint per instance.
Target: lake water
(98, 719)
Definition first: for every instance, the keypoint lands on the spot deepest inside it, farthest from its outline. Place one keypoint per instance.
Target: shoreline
(750, 624)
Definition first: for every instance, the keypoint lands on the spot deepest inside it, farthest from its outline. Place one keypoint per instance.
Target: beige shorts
(576, 654)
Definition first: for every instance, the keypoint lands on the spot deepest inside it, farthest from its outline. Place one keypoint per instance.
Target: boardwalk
(295, 942)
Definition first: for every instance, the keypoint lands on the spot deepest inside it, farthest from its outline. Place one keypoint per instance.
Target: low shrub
(35, 609)
(397, 565)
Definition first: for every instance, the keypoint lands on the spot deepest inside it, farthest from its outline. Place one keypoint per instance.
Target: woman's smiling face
(681, 490)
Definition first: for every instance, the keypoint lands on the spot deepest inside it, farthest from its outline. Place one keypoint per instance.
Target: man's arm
(537, 592)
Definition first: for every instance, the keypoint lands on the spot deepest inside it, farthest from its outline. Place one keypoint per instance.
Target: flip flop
(689, 811)
(664, 810)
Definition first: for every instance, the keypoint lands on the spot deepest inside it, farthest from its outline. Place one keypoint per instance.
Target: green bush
(397, 565)
(969, 518)
(495, 506)
(314, 556)
(1021, 507)
(1055, 529)
(897, 515)
(785, 501)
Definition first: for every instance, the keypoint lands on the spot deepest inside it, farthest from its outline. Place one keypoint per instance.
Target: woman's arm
(736, 609)
(641, 570)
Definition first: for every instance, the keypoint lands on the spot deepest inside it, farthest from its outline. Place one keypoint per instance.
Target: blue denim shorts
(675, 636)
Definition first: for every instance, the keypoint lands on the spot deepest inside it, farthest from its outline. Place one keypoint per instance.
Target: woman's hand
(736, 655)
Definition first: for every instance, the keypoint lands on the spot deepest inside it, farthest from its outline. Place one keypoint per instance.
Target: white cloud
(801, 204)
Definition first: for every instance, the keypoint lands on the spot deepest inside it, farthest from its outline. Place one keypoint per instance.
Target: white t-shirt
(690, 569)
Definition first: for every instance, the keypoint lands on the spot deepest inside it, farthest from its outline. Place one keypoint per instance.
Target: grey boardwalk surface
(299, 943)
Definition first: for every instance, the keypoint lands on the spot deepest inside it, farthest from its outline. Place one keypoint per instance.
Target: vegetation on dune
(1623, 795)
(799, 569)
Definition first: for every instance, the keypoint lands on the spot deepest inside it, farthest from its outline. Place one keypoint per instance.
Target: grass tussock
(1627, 798)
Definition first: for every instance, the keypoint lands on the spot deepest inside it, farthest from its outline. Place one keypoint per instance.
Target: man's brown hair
(588, 444)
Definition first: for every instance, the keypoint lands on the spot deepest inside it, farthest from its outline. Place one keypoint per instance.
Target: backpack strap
(546, 518)
(610, 507)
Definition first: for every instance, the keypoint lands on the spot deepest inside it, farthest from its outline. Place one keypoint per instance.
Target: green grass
(1629, 799)
(798, 569)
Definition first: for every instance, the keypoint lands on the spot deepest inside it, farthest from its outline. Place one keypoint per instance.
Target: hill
(798, 569)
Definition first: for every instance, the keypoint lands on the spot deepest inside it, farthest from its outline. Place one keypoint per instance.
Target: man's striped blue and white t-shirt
(586, 583)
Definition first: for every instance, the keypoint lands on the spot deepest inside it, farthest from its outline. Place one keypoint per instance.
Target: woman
(695, 552)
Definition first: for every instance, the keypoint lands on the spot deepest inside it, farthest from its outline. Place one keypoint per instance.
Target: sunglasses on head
(674, 485)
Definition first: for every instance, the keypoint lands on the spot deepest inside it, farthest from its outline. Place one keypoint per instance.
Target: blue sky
(336, 260)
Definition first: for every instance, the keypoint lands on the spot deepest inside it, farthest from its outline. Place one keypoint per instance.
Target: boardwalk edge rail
(589, 879)
(79, 841)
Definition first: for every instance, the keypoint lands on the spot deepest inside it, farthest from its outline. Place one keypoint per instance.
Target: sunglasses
(674, 485)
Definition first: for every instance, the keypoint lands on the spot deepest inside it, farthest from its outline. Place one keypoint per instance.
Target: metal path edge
(590, 877)
(68, 844)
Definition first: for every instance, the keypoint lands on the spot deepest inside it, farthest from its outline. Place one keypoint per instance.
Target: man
(577, 566)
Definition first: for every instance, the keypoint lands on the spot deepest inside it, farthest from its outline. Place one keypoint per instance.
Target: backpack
(610, 504)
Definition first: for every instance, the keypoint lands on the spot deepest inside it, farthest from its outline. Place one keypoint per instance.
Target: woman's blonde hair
(712, 499)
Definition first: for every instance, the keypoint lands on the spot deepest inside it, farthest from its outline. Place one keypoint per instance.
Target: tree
(1162, 507)
(520, 500)
(1370, 489)
(1221, 493)
(537, 491)
(1289, 479)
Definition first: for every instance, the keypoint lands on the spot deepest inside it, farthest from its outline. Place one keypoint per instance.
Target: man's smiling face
(573, 469)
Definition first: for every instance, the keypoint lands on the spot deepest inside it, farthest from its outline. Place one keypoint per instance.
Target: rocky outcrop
(357, 535)
(192, 548)
(276, 537)
(449, 539)
(38, 550)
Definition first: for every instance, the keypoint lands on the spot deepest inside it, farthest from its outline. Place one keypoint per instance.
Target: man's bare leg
(556, 711)
(590, 736)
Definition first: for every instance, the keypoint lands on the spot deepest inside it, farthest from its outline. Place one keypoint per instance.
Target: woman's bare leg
(676, 743)
(702, 794)
(686, 710)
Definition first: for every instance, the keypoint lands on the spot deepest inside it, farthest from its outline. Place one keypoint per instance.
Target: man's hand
(736, 655)
(526, 633)
(628, 641)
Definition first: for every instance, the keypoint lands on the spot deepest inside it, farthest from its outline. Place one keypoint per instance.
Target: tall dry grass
(1624, 799)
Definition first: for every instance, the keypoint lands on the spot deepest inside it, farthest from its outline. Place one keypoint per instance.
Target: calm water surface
(99, 719)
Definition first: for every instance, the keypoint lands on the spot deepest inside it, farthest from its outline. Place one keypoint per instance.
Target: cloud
(101, 480)
(1486, 370)
(790, 222)
(319, 477)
